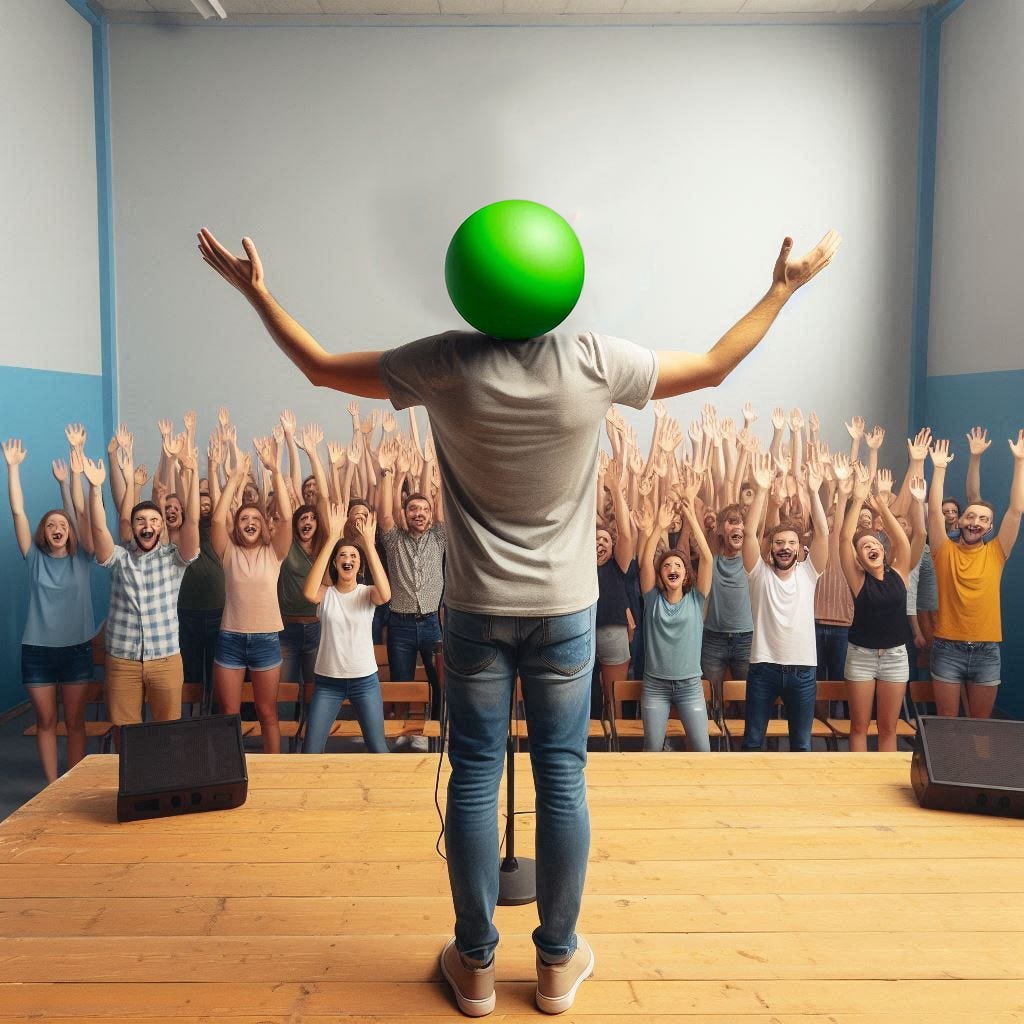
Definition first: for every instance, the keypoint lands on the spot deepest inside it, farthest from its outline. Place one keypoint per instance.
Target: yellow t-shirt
(968, 582)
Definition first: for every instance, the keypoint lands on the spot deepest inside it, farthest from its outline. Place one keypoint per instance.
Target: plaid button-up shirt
(142, 623)
(415, 568)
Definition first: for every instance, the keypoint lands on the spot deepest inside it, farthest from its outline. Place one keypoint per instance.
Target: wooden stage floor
(783, 888)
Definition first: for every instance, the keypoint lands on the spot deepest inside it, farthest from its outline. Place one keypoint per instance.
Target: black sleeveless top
(612, 600)
(880, 612)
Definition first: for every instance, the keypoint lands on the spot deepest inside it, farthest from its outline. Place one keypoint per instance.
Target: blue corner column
(928, 129)
(104, 210)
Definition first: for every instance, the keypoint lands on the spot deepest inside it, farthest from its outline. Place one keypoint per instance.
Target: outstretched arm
(979, 443)
(763, 474)
(357, 373)
(941, 458)
(680, 372)
(1010, 525)
(14, 456)
(102, 542)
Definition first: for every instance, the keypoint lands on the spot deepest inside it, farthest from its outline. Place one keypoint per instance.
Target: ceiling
(301, 12)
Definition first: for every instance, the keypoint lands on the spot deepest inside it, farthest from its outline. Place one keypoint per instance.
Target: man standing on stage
(516, 427)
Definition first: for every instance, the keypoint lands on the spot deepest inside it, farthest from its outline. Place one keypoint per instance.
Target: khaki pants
(158, 682)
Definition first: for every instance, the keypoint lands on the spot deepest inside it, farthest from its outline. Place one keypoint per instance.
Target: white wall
(681, 155)
(977, 306)
(49, 263)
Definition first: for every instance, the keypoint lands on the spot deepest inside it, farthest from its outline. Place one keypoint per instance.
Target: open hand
(792, 273)
(245, 274)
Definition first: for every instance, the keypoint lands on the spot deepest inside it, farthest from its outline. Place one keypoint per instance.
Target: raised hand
(387, 454)
(126, 439)
(645, 485)
(173, 445)
(142, 475)
(124, 463)
(215, 450)
(666, 513)
(244, 274)
(189, 458)
(875, 438)
(243, 467)
(376, 418)
(366, 427)
(690, 481)
(762, 470)
(166, 427)
(75, 433)
(978, 441)
(749, 414)
(429, 452)
(813, 468)
(368, 528)
(671, 436)
(792, 273)
(159, 492)
(353, 409)
(824, 455)
(288, 422)
(229, 434)
(727, 428)
(190, 422)
(76, 461)
(862, 482)
(918, 448)
(60, 471)
(95, 472)
(14, 453)
(813, 422)
(335, 520)
(312, 435)
(355, 451)
(337, 453)
(917, 488)
(694, 431)
(778, 417)
(643, 519)
(856, 427)
(390, 422)
(884, 481)
(841, 466)
(1017, 447)
(796, 420)
(636, 462)
(268, 451)
(659, 408)
(223, 416)
(941, 455)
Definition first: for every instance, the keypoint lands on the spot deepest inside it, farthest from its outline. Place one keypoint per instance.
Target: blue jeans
(688, 696)
(197, 633)
(796, 685)
(721, 652)
(409, 635)
(554, 657)
(299, 643)
(363, 694)
(832, 642)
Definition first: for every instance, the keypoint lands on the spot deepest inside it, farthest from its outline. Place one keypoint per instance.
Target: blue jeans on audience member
(796, 685)
(197, 634)
(299, 643)
(656, 704)
(363, 694)
(724, 652)
(381, 617)
(409, 636)
(554, 657)
(832, 642)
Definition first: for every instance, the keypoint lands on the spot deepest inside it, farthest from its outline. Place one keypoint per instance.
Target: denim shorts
(44, 666)
(866, 664)
(957, 661)
(257, 651)
(612, 643)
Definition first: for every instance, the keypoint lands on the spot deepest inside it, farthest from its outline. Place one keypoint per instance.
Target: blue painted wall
(954, 404)
(37, 404)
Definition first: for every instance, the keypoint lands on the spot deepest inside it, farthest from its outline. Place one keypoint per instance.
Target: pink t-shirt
(250, 584)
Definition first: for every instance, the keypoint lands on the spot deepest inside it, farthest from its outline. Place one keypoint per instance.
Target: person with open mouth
(673, 623)
(968, 570)
(877, 667)
(251, 625)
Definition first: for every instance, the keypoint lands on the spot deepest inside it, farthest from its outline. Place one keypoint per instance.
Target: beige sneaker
(557, 983)
(473, 988)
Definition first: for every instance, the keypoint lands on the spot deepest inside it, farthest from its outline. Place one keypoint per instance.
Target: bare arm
(380, 592)
(102, 542)
(941, 458)
(979, 444)
(643, 520)
(219, 535)
(357, 373)
(314, 588)
(762, 472)
(681, 372)
(1010, 525)
(14, 455)
(705, 569)
(819, 540)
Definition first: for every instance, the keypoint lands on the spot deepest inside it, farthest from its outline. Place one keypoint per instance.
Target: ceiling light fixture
(210, 8)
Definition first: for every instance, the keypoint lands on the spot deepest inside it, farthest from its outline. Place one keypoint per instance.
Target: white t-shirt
(783, 611)
(346, 635)
(516, 426)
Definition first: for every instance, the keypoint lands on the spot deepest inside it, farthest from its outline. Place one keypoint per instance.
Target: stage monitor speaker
(969, 764)
(197, 764)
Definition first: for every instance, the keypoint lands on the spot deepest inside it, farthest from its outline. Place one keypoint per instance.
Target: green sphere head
(514, 269)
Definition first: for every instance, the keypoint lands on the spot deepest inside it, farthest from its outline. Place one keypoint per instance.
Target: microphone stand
(517, 876)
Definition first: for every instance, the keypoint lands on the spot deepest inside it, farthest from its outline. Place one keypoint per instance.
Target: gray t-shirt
(729, 600)
(516, 426)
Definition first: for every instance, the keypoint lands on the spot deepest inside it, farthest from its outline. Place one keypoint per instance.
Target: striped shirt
(833, 601)
(415, 569)
(142, 623)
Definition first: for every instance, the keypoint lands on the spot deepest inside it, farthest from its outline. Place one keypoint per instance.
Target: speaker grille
(179, 755)
(975, 752)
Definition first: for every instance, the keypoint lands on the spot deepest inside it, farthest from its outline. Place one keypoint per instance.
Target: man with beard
(784, 657)
(141, 635)
(728, 627)
(968, 626)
